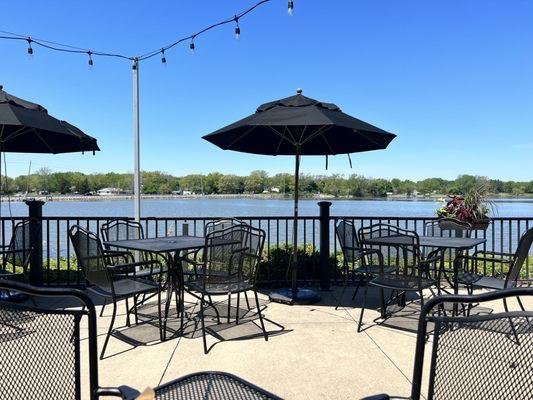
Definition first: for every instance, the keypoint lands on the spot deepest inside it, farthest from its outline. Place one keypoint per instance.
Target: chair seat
(143, 273)
(8, 274)
(402, 282)
(487, 282)
(127, 287)
(215, 288)
(374, 269)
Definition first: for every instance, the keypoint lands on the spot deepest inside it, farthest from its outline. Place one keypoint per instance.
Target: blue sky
(453, 79)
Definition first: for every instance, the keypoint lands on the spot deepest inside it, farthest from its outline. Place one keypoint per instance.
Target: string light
(237, 28)
(65, 48)
(89, 53)
(30, 50)
(291, 7)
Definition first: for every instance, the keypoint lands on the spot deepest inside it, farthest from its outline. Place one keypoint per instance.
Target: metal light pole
(136, 151)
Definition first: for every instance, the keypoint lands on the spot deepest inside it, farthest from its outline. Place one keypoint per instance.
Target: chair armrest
(16, 251)
(494, 253)
(130, 267)
(114, 392)
(125, 255)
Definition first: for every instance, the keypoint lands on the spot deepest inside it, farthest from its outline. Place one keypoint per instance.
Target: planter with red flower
(473, 208)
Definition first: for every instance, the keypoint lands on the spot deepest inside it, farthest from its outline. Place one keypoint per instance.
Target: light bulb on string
(30, 49)
(89, 53)
(163, 58)
(237, 28)
(291, 7)
(191, 46)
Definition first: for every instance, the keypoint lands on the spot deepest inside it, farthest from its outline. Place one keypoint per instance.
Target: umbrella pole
(295, 224)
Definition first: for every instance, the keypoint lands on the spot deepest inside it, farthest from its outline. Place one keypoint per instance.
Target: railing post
(325, 269)
(35, 215)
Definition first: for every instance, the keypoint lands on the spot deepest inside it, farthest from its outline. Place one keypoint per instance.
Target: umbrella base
(301, 296)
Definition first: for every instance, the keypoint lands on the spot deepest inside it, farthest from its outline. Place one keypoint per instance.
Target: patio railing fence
(60, 268)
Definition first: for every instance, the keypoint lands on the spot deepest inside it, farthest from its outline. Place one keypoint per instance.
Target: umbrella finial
(299, 91)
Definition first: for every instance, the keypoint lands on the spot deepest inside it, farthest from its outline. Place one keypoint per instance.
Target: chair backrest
(120, 229)
(19, 250)
(91, 257)
(221, 224)
(447, 227)
(232, 254)
(40, 346)
(520, 257)
(485, 356)
(347, 236)
(405, 257)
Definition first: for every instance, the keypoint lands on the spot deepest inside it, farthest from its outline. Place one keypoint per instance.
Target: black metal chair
(355, 258)
(474, 357)
(443, 227)
(190, 268)
(41, 355)
(229, 266)
(16, 258)
(212, 386)
(109, 280)
(120, 229)
(16, 253)
(407, 275)
(475, 280)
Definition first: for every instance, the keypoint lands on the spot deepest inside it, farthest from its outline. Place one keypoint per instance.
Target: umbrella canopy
(299, 124)
(26, 127)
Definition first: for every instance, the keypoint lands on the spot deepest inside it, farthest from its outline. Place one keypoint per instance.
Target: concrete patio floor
(313, 352)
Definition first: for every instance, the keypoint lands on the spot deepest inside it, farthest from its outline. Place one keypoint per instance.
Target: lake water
(55, 239)
(253, 207)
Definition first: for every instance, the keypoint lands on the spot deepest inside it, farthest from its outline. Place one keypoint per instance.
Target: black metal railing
(60, 267)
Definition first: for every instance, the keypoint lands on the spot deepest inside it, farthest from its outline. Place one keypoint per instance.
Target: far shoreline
(262, 196)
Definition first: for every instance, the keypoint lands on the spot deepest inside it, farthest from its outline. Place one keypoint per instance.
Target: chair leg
(247, 302)
(362, 309)
(127, 313)
(229, 307)
(159, 318)
(203, 323)
(238, 309)
(383, 303)
(361, 281)
(103, 306)
(110, 330)
(520, 303)
(342, 291)
(511, 321)
(265, 334)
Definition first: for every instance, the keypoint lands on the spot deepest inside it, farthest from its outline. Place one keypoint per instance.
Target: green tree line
(156, 182)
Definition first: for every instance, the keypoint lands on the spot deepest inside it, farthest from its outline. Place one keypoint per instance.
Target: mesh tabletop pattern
(211, 386)
(481, 357)
(38, 353)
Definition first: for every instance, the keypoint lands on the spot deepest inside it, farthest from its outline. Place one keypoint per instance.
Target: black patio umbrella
(27, 127)
(299, 126)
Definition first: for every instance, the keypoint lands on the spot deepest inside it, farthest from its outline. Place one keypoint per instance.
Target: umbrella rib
(319, 131)
(355, 131)
(325, 140)
(45, 143)
(279, 144)
(243, 135)
(282, 135)
(21, 131)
